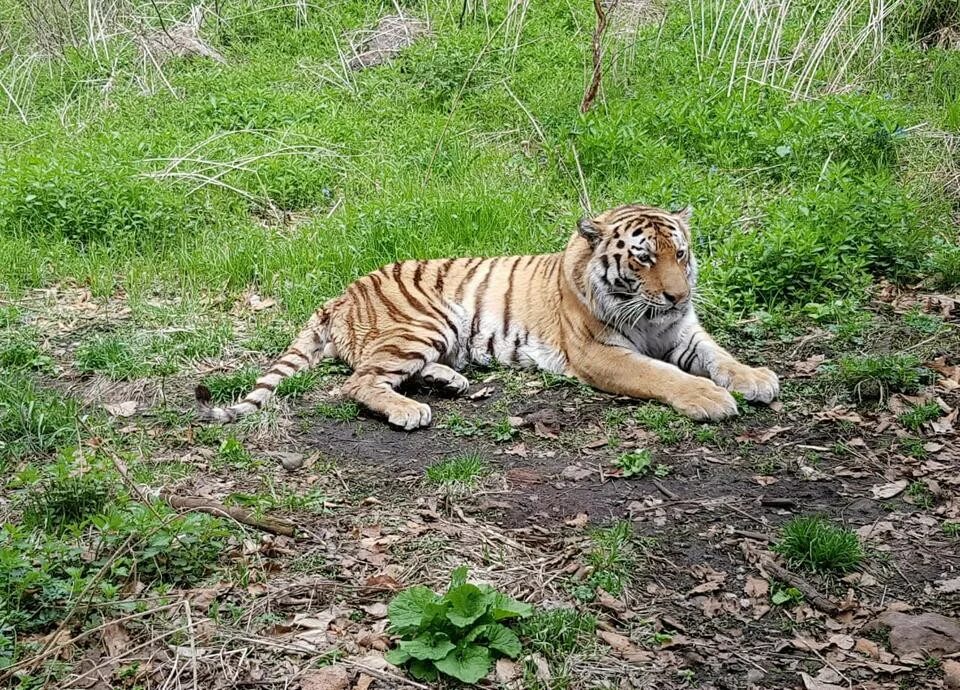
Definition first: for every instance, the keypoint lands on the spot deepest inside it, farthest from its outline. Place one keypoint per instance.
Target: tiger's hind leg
(438, 375)
(388, 363)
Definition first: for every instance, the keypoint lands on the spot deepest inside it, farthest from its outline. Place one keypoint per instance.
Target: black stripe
(695, 343)
(508, 298)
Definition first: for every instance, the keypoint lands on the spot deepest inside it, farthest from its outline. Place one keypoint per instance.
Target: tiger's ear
(685, 214)
(589, 231)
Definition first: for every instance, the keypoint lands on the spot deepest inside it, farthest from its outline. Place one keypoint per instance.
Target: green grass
(34, 420)
(920, 494)
(558, 633)
(462, 470)
(670, 427)
(233, 453)
(129, 354)
(815, 543)
(925, 324)
(876, 376)
(612, 557)
(345, 411)
(65, 500)
(918, 415)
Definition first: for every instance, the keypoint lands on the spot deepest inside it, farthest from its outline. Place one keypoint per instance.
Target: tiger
(614, 309)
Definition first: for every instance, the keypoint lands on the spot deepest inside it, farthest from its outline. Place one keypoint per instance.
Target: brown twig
(665, 491)
(808, 590)
(206, 505)
(590, 95)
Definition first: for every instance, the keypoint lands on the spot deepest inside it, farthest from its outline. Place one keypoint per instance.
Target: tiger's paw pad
(410, 415)
(755, 384)
(705, 403)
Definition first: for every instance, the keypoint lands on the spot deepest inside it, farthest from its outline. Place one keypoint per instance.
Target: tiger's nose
(672, 298)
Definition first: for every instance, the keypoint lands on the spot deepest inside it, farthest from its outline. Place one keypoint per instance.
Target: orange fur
(613, 309)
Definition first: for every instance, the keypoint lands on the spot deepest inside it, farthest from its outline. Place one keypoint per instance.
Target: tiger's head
(640, 263)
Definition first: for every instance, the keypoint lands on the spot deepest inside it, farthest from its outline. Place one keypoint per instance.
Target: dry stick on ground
(808, 590)
(206, 505)
(590, 95)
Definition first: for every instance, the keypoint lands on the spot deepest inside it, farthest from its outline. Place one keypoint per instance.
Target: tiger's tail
(306, 350)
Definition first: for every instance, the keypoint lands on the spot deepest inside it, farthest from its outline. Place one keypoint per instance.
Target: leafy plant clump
(816, 544)
(875, 376)
(66, 500)
(635, 463)
(457, 634)
(461, 469)
(918, 415)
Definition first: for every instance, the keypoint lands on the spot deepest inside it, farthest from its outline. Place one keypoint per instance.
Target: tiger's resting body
(614, 309)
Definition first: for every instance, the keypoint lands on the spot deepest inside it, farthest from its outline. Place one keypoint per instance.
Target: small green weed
(233, 453)
(920, 494)
(459, 425)
(459, 469)
(925, 324)
(951, 529)
(225, 388)
(816, 544)
(557, 633)
(457, 634)
(299, 384)
(914, 448)
(785, 596)
(635, 463)
(875, 376)
(670, 427)
(612, 557)
(19, 350)
(345, 411)
(114, 355)
(918, 415)
(34, 420)
(503, 431)
(64, 501)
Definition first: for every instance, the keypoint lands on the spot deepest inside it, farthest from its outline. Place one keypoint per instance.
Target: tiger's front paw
(756, 384)
(704, 401)
(409, 414)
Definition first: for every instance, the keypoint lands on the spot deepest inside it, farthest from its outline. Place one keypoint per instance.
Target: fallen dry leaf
(115, 639)
(811, 683)
(377, 610)
(507, 671)
(951, 674)
(624, 648)
(807, 367)
(326, 678)
(484, 392)
(914, 637)
(868, 647)
(888, 490)
(363, 682)
(607, 601)
(383, 583)
(762, 436)
(949, 586)
(756, 588)
(124, 409)
(575, 473)
(579, 520)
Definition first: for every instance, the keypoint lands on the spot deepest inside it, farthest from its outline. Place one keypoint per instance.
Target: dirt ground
(696, 611)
